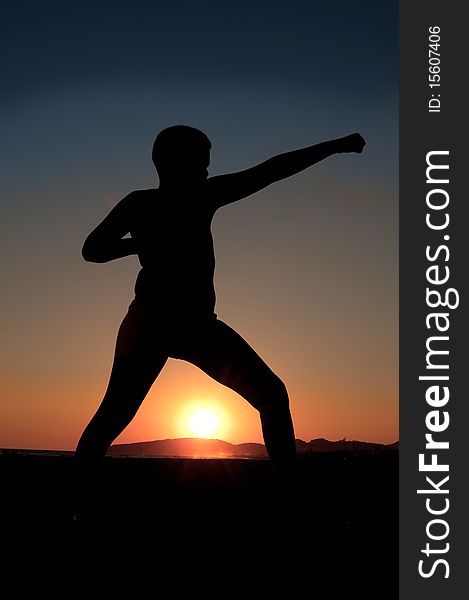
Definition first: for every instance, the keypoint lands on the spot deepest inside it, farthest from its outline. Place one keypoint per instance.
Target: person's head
(181, 154)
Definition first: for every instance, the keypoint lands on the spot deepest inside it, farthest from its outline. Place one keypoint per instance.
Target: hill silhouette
(214, 448)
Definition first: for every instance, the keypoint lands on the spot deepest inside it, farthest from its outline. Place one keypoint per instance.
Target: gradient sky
(306, 269)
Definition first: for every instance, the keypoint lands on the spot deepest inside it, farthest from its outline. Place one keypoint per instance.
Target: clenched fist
(351, 143)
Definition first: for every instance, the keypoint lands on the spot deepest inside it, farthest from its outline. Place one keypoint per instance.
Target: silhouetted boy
(172, 314)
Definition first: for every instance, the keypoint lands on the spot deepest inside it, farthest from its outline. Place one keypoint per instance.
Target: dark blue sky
(306, 269)
(334, 46)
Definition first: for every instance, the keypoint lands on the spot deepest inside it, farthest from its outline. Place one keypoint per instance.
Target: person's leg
(139, 357)
(224, 355)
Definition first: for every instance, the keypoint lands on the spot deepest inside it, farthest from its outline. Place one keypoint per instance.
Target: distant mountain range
(203, 448)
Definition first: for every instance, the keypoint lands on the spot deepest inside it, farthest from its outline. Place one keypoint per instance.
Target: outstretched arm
(106, 241)
(235, 186)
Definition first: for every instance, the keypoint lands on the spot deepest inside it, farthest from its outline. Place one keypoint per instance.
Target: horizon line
(4, 448)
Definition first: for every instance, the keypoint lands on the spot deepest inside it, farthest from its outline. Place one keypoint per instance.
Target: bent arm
(106, 241)
(235, 186)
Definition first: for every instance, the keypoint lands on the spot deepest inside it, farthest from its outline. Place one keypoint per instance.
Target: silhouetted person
(172, 314)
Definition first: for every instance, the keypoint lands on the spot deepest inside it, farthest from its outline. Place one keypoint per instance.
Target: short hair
(172, 140)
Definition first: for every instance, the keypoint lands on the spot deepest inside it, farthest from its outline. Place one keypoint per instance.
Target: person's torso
(175, 249)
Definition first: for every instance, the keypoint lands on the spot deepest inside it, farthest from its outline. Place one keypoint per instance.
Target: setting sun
(203, 423)
(205, 416)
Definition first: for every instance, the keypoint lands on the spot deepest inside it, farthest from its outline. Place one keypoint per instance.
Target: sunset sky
(306, 269)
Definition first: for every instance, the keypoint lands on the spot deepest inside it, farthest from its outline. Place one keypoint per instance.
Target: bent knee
(274, 395)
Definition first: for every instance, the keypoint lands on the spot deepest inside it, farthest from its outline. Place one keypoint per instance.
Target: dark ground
(335, 536)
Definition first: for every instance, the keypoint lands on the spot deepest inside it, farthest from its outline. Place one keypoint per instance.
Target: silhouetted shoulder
(144, 193)
(141, 196)
(136, 200)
